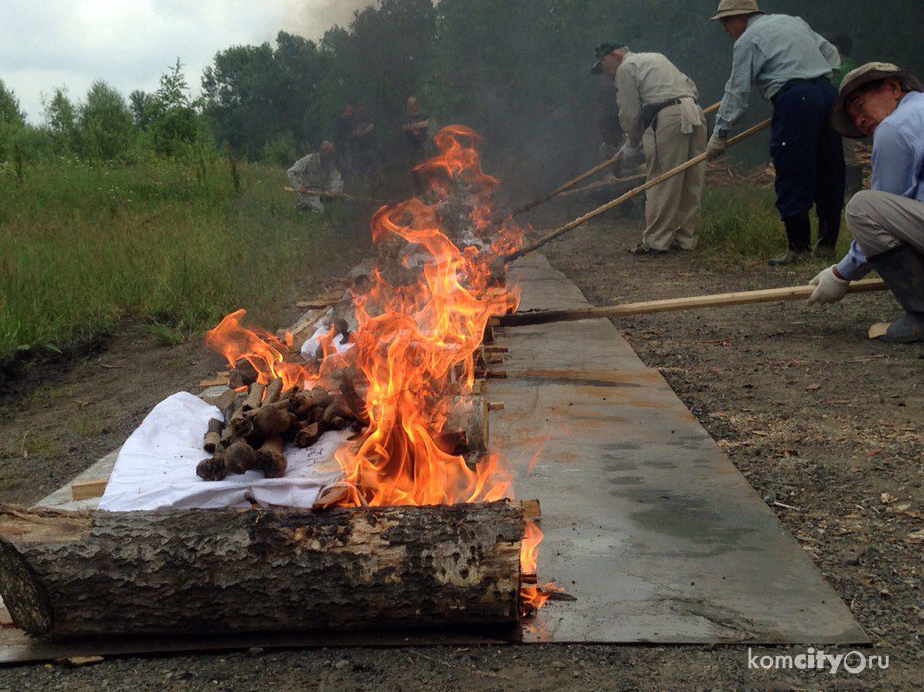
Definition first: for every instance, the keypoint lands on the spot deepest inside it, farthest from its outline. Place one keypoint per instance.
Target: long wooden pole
(695, 161)
(584, 176)
(650, 307)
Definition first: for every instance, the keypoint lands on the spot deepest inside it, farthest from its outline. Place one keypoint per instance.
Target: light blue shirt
(774, 49)
(898, 167)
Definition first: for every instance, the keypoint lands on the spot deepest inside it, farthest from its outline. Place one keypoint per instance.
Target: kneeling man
(887, 222)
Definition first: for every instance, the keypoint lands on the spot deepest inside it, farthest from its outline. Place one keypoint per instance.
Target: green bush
(281, 150)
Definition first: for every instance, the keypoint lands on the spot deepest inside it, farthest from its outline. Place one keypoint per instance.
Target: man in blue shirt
(887, 222)
(791, 65)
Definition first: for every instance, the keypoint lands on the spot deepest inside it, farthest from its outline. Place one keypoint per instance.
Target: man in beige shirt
(659, 112)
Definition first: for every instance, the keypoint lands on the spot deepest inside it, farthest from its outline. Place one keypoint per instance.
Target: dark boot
(799, 234)
(829, 227)
(902, 268)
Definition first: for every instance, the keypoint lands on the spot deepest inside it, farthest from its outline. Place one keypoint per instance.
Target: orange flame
(415, 346)
(532, 596)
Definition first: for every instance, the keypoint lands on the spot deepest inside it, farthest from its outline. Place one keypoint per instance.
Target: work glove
(716, 147)
(630, 158)
(628, 152)
(830, 287)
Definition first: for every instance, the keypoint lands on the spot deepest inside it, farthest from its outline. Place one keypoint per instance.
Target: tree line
(517, 71)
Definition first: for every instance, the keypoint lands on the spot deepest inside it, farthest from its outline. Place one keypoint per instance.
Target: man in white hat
(791, 65)
(887, 222)
(659, 112)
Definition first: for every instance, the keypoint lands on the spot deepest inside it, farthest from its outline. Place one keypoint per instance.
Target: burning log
(255, 397)
(303, 402)
(271, 420)
(471, 419)
(226, 570)
(337, 415)
(273, 390)
(243, 374)
(213, 436)
(308, 434)
(355, 402)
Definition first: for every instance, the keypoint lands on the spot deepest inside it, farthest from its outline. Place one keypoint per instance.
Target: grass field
(741, 222)
(85, 246)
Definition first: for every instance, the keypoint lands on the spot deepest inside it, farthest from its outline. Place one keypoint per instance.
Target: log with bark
(225, 570)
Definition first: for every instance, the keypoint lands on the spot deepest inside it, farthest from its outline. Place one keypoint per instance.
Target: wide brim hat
(601, 52)
(853, 80)
(731, 8)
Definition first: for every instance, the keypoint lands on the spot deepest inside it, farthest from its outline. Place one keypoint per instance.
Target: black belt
(650, 113)
(794, 82)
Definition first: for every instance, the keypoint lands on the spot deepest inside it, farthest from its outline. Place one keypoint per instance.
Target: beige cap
(729, 8)
(853, 80)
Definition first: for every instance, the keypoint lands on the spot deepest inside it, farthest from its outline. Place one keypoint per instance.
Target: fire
(414, 346)
(531, 596)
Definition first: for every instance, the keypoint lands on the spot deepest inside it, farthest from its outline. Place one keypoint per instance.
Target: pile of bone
(259, 424)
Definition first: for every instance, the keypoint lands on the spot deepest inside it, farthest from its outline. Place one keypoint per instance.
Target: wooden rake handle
(651, 307)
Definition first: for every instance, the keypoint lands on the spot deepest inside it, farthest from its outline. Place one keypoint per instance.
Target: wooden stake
(674, 304)
(695, 161)
(584, 176)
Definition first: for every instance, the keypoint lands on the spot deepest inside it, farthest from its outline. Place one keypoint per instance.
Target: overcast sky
(130, 43)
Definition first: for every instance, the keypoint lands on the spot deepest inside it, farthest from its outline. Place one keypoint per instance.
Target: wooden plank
(675, 304)
(321, 301)
(84, 490)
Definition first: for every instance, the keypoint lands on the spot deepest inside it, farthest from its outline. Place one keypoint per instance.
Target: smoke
(312, 18)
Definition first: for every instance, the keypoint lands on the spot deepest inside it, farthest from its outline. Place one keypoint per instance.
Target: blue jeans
(807, 153)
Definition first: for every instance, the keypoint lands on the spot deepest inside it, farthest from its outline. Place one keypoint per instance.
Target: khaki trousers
(673, 211)
(880, 221)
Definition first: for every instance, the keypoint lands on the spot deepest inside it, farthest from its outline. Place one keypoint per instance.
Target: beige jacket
(645, 79)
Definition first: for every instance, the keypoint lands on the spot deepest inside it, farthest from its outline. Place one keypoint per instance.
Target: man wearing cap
(658, 111)
(887, 222)
(791, 65)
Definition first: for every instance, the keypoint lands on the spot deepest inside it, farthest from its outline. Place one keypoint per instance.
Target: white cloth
(310, 350)
(691, 115)
(156, 467)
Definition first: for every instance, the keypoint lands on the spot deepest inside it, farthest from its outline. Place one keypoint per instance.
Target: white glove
(632, 157)
(716, 147)
(830, 287)
(628, 152)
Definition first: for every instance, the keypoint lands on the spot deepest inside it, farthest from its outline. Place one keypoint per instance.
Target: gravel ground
(823, 423)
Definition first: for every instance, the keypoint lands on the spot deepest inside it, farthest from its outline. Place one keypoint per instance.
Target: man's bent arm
(737, 90)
